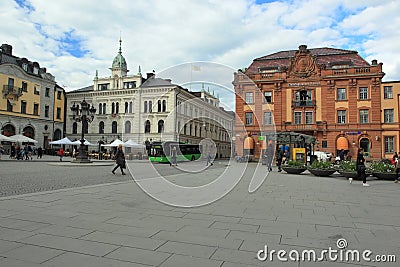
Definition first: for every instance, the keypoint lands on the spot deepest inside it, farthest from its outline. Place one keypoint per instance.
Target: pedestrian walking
(39, 152)
(209, 159)
(61, 153)
(270, 156)
(120, 160)
(173, 160)
(279, 157)
(360, 165)
(13, 151)
(396, 179)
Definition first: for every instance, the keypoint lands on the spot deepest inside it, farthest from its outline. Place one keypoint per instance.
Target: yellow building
(390, 100)
(31, 102)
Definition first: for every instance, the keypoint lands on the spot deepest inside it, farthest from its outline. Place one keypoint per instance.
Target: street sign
(353, 133)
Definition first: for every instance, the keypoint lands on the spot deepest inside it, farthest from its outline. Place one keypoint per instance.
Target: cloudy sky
(74, 38)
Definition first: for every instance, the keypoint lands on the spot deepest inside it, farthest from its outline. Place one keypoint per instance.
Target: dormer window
(25, 66)
(35, 70)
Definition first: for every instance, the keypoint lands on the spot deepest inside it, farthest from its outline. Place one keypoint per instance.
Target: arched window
(195, 130)
(75, 128)
(145, 106)
(127, 127)
(104, 108)
(150, 106)
(117, 108)
(113, 108)
(199, 131)
(164, 105)
(147, 126)
(130, 107)
(8, 130)
(179, 127)
(100, 108)
(126, 107)
(56, 135)
(159, 106)
(101, 127)
(114, 127)
(184, 129)
(29, 132)
(190, 129)
(160, 126)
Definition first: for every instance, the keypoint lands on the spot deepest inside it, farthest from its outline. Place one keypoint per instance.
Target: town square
(199, 133)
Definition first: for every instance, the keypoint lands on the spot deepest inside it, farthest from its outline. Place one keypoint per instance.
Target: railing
(12, 90)
(303, 103)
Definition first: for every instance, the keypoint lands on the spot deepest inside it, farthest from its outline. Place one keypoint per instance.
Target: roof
(157, 82)
(84, 89)
(324, 55)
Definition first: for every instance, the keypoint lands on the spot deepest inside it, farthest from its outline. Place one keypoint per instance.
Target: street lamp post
(84, 114)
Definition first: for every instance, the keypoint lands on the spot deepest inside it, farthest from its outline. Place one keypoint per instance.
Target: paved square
(118, 224)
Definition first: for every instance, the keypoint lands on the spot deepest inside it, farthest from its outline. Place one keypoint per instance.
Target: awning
(342, 143)
(248, 143)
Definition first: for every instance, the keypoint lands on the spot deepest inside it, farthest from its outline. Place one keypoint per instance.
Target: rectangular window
(249, 98)
(324, 144)
(58, 113)
(388, 115)
(297, 117)
(363, 93)
(389, 144)
(36, 109)
(46, 111)
(128, 85)
(268, 118)
(24, 87)
(388, 92)
(309, 117)
(25, 66)
(23, 107)
(104, 86)
(9, 106)
(341, 116)
(267, 97)
(59, 95)
(341, 94)
(364, 116)
(47, 92)
(249, 118)
(36, 70)
(37, 90)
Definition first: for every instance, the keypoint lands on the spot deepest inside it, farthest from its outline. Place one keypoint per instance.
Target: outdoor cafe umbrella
(64, 141)
(22, 139)
(4, 138)
(116, 142)
(131, 143)
(86, 143)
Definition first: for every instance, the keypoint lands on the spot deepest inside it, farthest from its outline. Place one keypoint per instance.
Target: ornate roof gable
(303, 64)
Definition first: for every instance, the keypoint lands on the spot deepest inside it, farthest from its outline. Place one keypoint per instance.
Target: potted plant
(382, 170)
(294, 167)
(321, 168)
(348, 169)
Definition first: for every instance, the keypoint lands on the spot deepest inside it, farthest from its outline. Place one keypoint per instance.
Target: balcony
(303, 103)
(11, 90)
(301, 127)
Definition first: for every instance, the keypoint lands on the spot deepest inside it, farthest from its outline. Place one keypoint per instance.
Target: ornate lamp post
(84, 114)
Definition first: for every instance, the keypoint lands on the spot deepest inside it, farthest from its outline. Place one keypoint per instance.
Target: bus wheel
(193, 158)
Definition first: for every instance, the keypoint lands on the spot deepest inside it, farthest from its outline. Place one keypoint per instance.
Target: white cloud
(157, 34)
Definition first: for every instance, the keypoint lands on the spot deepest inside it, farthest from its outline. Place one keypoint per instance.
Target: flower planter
(321, 172)
(349, 174)
(385, 175)
(293, 170)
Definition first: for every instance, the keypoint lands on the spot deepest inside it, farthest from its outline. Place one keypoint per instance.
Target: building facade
(149, 109)
(331, 94)
(32, 103)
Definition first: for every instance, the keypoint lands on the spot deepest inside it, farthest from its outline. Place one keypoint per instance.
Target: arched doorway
(248, 146)
(342, 143)
(8, 130)
(365, 145)
(29, 132)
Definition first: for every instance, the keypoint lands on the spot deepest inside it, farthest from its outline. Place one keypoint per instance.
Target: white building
(151, 109)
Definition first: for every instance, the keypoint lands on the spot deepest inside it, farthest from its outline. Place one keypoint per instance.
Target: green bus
(162, 152)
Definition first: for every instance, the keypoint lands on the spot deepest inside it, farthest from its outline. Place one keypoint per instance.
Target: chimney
(150, 75)
(6, 49)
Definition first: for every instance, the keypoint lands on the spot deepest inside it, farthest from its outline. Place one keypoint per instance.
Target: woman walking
(360, 163)
(120, 160)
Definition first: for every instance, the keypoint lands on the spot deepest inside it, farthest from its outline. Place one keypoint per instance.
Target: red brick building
(331, 94)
